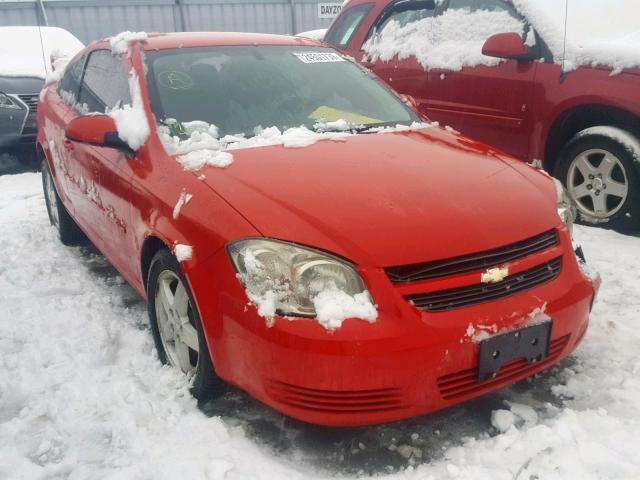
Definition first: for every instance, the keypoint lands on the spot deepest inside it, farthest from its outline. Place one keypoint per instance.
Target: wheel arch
(575, 119)
(152, 244)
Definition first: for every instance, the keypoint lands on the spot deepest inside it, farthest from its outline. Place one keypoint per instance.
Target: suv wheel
(601, 175)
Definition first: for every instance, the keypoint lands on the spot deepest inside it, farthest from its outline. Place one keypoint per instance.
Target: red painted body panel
(512, 106)
(378, 200)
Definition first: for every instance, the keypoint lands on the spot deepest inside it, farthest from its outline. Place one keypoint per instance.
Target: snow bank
(202, 147)
(131, 120)
(451, 41)
(503, 420)
(82, 394)
(121, 42)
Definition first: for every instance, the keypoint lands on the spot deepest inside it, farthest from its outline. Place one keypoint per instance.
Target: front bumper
(407, 363)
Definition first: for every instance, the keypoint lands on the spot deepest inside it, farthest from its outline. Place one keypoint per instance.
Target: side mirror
(506, 45)
(98, 130)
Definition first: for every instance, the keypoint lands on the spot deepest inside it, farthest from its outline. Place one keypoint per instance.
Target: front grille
(30, 122)
(463, 383)
(473, 262)
(336, 401)
(445, 300)
(31, 101)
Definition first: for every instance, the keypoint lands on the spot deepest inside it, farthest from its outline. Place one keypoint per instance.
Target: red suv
(503, 73)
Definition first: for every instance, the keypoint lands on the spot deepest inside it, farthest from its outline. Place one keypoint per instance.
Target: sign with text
(329, 10)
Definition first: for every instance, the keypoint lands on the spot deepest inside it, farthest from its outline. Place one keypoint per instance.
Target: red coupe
(299, 231)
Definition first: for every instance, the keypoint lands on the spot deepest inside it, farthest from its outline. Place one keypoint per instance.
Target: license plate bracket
(530, 343)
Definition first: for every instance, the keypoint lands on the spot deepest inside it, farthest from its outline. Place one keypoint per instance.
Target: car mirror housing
(506, 45)
(98, 130)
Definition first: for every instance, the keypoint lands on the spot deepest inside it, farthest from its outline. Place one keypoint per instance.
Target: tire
(68, 231)
(163, 283)
(611, 196)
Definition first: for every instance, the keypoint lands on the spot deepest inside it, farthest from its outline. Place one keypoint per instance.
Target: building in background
(91, 19)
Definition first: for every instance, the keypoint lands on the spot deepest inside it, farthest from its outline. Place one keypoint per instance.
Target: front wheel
(599, 171)
(176, 326)
(68, 231)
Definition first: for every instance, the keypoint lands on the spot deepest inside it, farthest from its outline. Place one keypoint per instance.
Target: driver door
(489, 103)
(105, 86)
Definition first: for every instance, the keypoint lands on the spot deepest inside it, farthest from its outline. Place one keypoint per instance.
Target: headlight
(566, 206)
(284, 278)
(7, 102)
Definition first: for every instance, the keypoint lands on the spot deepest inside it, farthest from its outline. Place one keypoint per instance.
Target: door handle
(68, 145)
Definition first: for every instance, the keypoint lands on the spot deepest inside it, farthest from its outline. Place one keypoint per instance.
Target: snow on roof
(21, 50)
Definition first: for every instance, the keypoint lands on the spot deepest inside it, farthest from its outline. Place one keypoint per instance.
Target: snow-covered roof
(21, 49)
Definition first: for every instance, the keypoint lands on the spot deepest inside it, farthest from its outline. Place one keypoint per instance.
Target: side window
(477, 20)
(342, 30)
(486, 5)
(404, 12)
(105, 84)
(70, 81)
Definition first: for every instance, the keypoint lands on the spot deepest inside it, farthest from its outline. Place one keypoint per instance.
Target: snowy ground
(82, 395)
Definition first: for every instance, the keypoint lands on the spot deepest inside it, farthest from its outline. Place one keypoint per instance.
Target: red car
(301, 233)
(505, 76)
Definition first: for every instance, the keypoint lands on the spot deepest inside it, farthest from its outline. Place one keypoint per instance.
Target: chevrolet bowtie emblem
(495, 275)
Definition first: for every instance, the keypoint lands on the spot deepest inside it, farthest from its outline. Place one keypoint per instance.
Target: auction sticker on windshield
(319, 57)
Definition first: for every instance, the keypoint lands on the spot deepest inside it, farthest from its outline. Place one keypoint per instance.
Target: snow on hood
(202, 147)
(21, 50)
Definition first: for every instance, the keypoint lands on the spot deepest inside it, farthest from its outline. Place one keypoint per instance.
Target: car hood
(389, 199)
(20, 85)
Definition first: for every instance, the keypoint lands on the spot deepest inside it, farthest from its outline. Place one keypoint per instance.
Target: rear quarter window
(346, 25)
(70, 81)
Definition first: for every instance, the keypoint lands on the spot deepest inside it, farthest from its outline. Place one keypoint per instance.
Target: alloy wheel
(52, 200)
(597, 181)
(176, 325)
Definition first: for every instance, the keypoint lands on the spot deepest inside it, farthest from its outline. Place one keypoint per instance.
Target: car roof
(164, 41)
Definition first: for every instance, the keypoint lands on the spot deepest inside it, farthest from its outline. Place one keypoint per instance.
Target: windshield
(241, 88)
